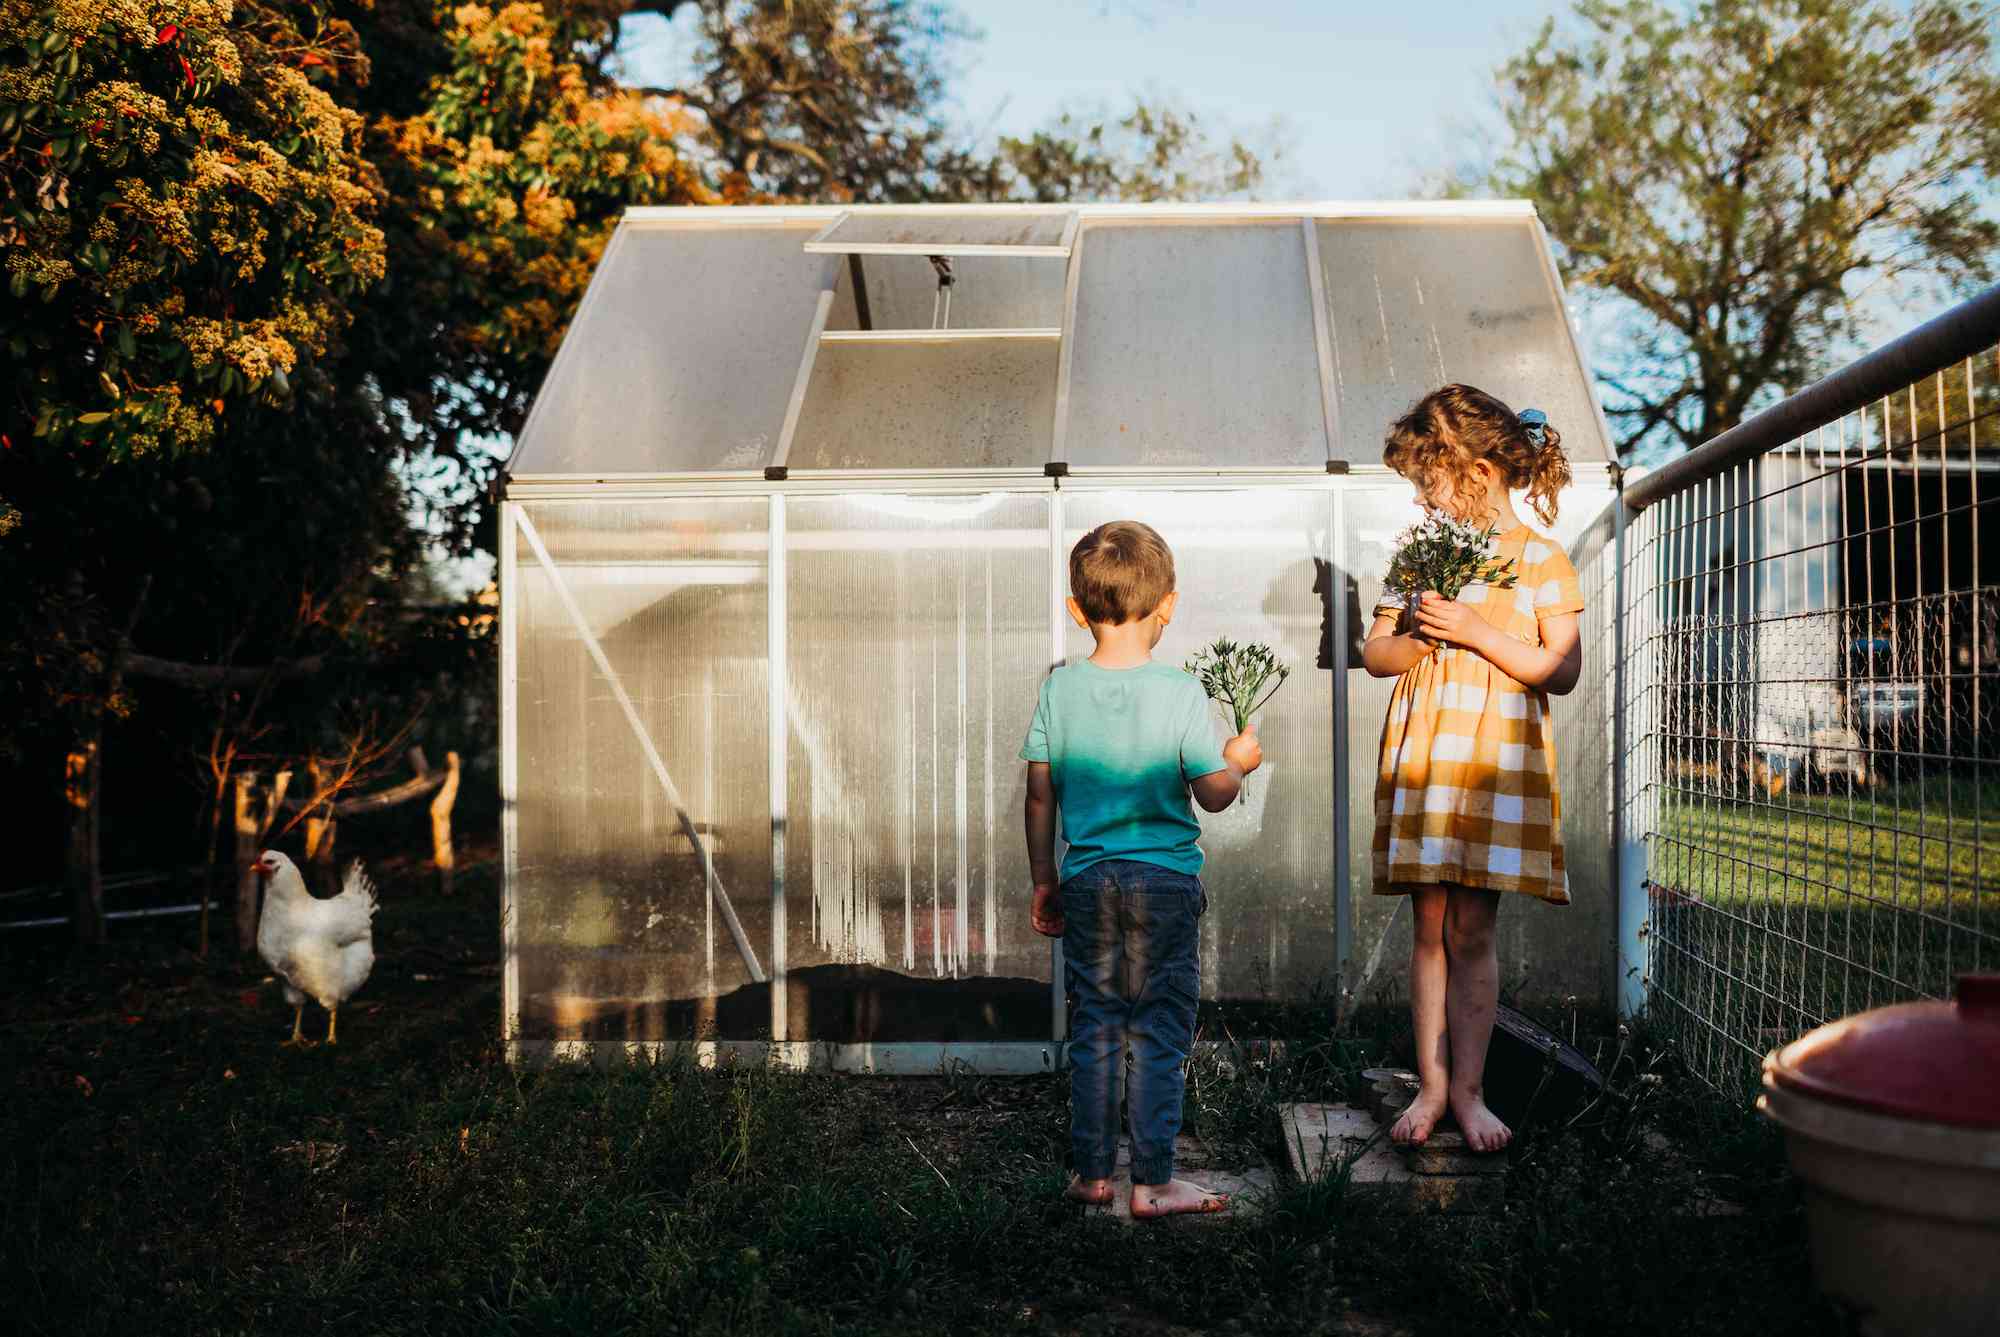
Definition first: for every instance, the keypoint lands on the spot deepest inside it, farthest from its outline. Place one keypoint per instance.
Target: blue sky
(1371, 97)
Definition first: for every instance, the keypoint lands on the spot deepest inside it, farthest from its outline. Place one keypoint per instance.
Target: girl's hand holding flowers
(1449, 622)
(1433, 561)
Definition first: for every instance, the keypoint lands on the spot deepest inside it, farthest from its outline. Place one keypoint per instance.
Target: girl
(1466, 804)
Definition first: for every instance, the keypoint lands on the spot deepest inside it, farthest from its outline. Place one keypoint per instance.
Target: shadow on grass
(167, 1168)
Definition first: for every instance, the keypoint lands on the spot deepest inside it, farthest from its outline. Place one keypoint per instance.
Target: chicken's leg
(332, 1019)
(297, 1041)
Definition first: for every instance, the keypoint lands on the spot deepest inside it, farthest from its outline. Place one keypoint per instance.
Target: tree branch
(201, 676)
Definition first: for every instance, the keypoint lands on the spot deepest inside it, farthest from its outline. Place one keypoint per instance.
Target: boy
(1117, 743)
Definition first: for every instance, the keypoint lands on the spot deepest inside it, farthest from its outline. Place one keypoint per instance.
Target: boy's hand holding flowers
(1243, 751)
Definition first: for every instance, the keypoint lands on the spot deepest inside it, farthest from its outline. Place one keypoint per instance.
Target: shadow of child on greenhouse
(1117, 744)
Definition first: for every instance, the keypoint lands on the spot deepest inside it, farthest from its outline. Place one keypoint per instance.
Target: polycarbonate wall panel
(918, 638)
(987, 293)
(683, 354)
(1246, 569)
(619, 936)
(973, 404)
(1546, 953)
(1194, 346)
(1414, 304)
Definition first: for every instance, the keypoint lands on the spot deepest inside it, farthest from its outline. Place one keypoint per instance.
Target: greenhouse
(783, 558)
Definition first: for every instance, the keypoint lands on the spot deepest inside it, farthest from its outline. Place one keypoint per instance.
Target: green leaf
(91, 419)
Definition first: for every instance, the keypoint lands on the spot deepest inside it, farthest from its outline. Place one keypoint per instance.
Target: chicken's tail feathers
(360, 884)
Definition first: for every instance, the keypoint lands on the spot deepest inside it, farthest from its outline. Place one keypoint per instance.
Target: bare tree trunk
(208, 861)
(83, 775)
(217, 793)
(82, 781)
(441, 851)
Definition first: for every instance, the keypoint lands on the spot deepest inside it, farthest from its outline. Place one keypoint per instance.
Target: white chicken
(322, 949)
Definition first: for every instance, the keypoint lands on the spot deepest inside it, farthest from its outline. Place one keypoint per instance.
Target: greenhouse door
(916, 630)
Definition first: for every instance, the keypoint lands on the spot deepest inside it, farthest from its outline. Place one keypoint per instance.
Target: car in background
(1798, 742)
(1887, 709)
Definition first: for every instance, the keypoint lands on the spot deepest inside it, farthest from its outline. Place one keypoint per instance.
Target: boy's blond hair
(1120, 572)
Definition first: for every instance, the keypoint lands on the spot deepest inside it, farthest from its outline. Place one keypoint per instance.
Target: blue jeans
(1129, 948)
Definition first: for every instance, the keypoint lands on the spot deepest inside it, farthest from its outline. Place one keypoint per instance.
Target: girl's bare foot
(1413, 1129)
(1482, 1128)
(1174, 1198)
(1091, 1192)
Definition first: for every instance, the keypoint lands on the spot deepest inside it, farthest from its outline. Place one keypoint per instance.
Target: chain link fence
(1808, 754)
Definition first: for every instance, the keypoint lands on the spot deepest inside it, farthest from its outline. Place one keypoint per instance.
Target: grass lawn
(1929, 847)
(1783, 912)
(168, 1168)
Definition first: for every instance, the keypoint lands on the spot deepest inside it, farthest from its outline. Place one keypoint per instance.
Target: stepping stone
(1319, 1138)
(1390, 1091)
(1248, 1189)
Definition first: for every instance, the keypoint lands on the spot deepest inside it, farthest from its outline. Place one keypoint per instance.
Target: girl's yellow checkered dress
(1466, 794)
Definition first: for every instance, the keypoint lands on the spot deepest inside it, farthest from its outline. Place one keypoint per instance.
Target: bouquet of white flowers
(1242, 678)
(1236, 674)
(1444, 555)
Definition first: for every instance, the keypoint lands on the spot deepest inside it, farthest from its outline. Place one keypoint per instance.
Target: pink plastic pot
(1892, 1124)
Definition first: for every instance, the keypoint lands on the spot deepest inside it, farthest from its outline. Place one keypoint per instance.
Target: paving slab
(1320, 1137)
(1249, 1188)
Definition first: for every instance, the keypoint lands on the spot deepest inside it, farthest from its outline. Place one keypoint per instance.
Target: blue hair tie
(1534, 421)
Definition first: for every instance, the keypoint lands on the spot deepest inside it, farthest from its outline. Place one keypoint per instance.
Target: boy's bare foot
(1174, 1198)
(1481, 1126)
(1413, 1129)
(1090, 1192)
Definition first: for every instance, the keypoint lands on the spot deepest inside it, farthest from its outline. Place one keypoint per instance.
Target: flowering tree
(184, 211)
(506, 183)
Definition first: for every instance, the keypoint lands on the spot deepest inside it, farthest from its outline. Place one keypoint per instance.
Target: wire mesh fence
(1811, 731)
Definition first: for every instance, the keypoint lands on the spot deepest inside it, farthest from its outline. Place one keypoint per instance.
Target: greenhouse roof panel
(1417, 303)
(683, 354)
(1225, 337)
(1193, 346)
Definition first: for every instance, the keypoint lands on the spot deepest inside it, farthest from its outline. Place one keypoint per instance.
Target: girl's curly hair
(1451, 428)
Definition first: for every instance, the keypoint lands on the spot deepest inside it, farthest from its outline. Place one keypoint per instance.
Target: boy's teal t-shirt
(1122, 745)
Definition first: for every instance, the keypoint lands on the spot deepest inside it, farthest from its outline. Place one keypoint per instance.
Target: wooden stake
(246, 854)
(81, 772)
(441, 851)
(320, 831)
